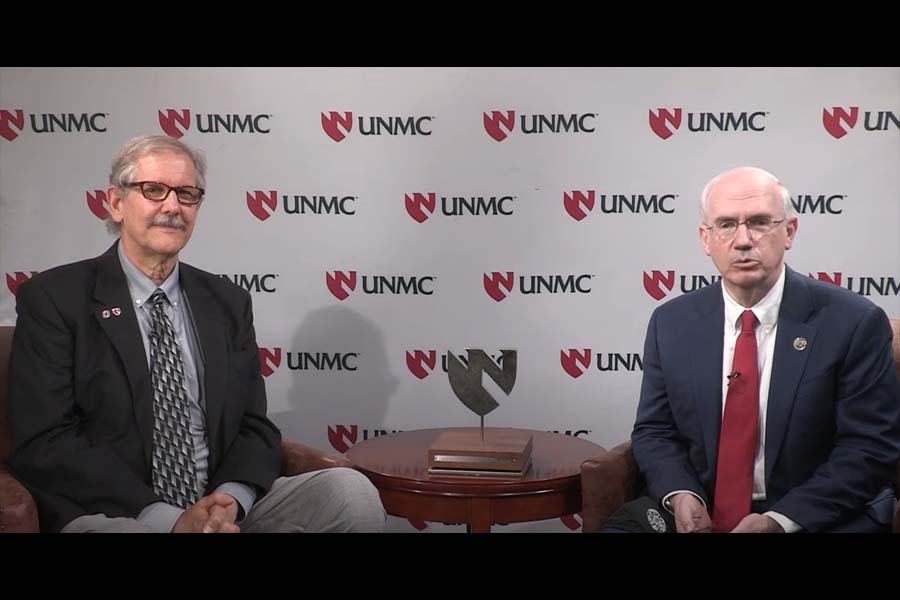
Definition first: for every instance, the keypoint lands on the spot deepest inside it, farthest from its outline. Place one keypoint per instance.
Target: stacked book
(473, 452)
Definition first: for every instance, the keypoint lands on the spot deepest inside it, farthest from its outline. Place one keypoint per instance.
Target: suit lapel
(788, 363)
(111, 296)
(213, 348)
(705, 351)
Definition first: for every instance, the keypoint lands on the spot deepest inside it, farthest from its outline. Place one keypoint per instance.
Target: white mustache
(173, 222)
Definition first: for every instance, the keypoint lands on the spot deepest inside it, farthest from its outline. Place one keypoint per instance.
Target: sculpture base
(504, 452)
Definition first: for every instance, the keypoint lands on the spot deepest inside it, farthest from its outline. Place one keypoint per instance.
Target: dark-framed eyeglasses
(188, 195)
(757, 227)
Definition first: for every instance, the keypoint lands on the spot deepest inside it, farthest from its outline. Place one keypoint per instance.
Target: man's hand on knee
(690, 516)
(756, 523)
(215, 513)
(220, 521)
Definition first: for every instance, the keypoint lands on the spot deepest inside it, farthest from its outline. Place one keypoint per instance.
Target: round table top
(400, 461)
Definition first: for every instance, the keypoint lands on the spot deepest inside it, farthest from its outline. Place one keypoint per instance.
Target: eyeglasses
(756, 227)
(156, 191)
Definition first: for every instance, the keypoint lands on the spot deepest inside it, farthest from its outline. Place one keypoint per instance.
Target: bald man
(769, 401)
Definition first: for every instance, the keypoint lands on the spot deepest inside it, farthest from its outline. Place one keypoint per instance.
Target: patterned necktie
(173, 447)
(740, 426)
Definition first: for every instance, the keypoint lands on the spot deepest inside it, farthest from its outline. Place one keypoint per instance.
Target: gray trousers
(338, 500)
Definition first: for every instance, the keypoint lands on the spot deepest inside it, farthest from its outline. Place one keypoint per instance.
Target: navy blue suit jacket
(833, 418)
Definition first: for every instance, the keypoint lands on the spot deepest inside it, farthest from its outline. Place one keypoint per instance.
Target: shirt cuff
(786, 524)
(159, 516)
(667, 502)
(243, 493)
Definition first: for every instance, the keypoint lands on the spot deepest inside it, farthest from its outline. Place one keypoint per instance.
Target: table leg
(479, 516)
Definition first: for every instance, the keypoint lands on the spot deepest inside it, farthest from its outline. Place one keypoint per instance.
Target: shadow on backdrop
(354, 392)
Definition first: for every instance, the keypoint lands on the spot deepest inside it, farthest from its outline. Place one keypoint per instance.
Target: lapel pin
(116, 311)
(105, 314)
(800, 344)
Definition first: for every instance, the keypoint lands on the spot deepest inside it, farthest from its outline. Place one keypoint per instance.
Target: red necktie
(737, 440)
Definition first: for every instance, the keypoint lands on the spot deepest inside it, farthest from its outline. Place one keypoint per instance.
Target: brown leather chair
(610, 479)
(17, 510)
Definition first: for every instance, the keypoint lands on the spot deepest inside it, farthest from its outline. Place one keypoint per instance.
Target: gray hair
(125, 163)
(789, 212)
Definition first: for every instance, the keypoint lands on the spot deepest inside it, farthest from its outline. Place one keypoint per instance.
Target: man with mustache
(770, 401)
(136, 400)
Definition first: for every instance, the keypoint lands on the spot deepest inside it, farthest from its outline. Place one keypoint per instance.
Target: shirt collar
(141, 287)
(766, 310)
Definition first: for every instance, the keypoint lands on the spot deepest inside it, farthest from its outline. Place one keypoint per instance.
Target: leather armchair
(18, 512)
(610, 479)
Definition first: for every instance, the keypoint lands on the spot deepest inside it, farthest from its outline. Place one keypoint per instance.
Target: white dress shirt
(766, 311)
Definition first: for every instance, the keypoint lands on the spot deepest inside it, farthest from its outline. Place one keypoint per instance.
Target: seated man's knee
(347, 502)
(361, 510)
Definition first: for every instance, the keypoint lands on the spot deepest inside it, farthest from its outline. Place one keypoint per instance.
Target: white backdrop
(271, 134)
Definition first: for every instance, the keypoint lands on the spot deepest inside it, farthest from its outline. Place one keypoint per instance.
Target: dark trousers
(646, 515)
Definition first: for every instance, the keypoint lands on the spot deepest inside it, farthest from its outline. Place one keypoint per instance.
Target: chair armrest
(299, 458)
(607, 482)
(18, 513)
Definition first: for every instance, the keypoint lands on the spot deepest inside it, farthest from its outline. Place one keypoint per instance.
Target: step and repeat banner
(383, 217)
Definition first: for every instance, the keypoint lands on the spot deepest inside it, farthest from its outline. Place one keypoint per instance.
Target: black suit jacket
(80, 401)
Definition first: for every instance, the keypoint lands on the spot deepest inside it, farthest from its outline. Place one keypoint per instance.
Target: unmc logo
(579, 203)
(340, 284)
(211, 122)
(7, 119)
(576, 363)
(418, 360)
(51, 123)
(334, 119)
(573, 203)
(665, 122)
(862, 285)
(571, 360)
(421, 206)
(494, 281)
(338, 127)
(343, 438)
(14, 280)
(269, 360)
(258, 201)
(660, 122)
(656, 281)
(263, 204)
(832, 120)
(417, 202)
(659, 283)
(497, 121)
(839, 120)
(98, 203)
(172, 117)
(493, 122)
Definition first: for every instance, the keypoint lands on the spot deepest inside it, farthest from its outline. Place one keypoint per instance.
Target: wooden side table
(397, 465)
